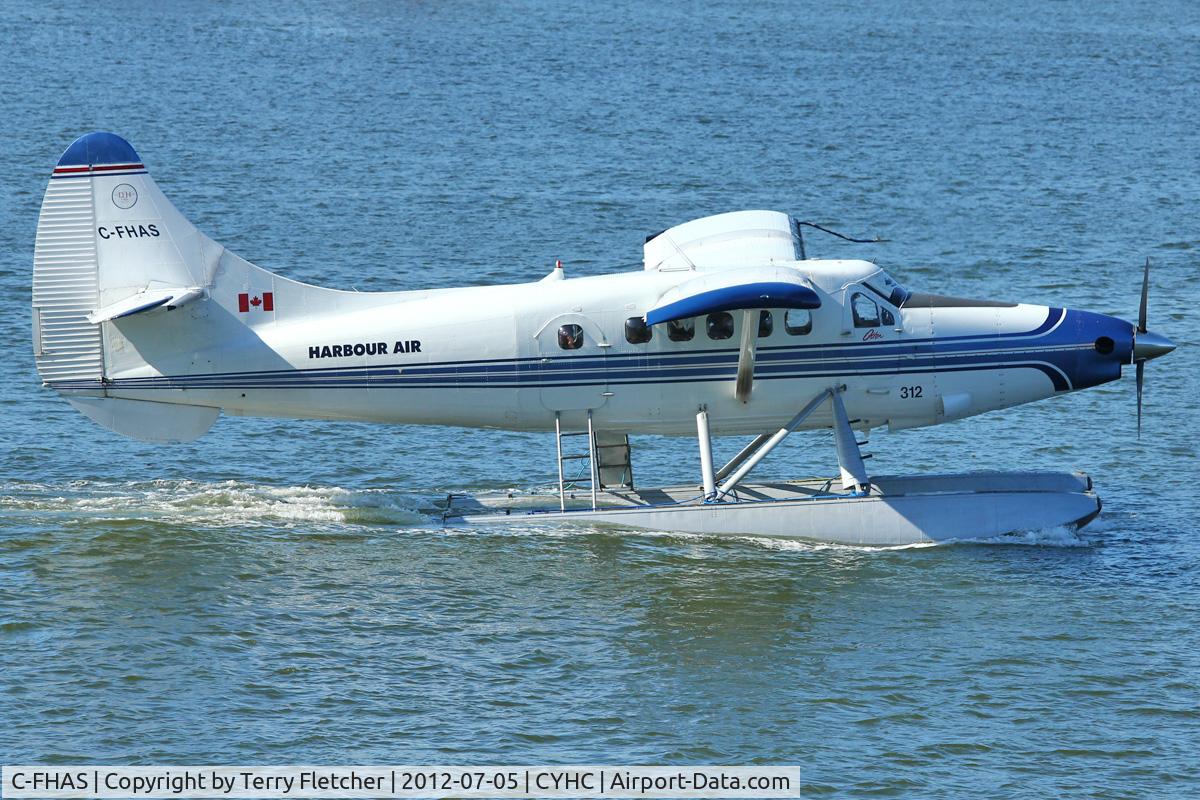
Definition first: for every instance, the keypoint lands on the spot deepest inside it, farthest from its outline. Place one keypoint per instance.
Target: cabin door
(572, 363)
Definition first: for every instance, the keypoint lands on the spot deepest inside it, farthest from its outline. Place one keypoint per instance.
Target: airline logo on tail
(258, 302)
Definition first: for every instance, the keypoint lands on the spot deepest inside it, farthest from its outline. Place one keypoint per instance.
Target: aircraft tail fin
(111, 246)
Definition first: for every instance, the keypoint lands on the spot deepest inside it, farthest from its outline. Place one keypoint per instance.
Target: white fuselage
(149, 327)
(490, 357)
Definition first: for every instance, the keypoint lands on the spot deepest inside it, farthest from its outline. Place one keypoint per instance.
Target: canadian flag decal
(261, 302)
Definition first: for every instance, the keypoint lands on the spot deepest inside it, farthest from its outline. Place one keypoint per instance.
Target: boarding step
(607, 457)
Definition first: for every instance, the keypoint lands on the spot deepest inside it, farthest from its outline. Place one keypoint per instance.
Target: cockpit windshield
(886, 287)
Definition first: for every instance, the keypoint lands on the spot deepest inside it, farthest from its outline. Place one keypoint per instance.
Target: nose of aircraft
(1148, 345)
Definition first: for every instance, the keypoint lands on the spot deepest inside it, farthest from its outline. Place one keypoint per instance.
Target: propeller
(1146, 345)
(1141, 328)
(1141, 379)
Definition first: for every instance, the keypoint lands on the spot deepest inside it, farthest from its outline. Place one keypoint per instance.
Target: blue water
(278, 591)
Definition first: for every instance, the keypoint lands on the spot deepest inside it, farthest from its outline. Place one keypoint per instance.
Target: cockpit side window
(797, 321)
(866, 312)
(719, 325)
(570, 337)
(637, 331)
(681, 330)
(897, 298)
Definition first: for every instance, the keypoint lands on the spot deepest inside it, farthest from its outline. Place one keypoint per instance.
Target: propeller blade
(1141, 377)
(1145, 295)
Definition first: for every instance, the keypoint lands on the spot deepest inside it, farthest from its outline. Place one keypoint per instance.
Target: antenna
(800, 236)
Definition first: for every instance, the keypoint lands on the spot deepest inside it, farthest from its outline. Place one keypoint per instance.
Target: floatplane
(151, 328)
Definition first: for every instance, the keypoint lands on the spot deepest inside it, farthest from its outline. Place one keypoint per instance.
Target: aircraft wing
(745, 289)
(734, 289)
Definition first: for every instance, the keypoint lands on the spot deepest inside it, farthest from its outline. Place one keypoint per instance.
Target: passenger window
(866, 313)
(888, 317)
(797, 321)
(570, 337)
(637, 331)
(720, 325)
(766, 324)
(681, 330)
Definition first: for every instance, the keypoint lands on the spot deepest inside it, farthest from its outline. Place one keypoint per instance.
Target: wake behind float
(151, 329)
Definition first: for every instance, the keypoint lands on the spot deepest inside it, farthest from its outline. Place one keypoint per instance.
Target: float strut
(706, 462)
(761, 452)
(592, 452)
(850, 460)
(745, 453)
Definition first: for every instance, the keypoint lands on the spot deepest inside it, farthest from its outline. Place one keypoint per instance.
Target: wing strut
(745, 370)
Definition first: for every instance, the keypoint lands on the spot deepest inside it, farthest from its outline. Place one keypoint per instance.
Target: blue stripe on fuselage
(1052, 354)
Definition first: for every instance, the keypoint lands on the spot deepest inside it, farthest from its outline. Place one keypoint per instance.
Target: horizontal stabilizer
(148, 420)
(145, 300)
